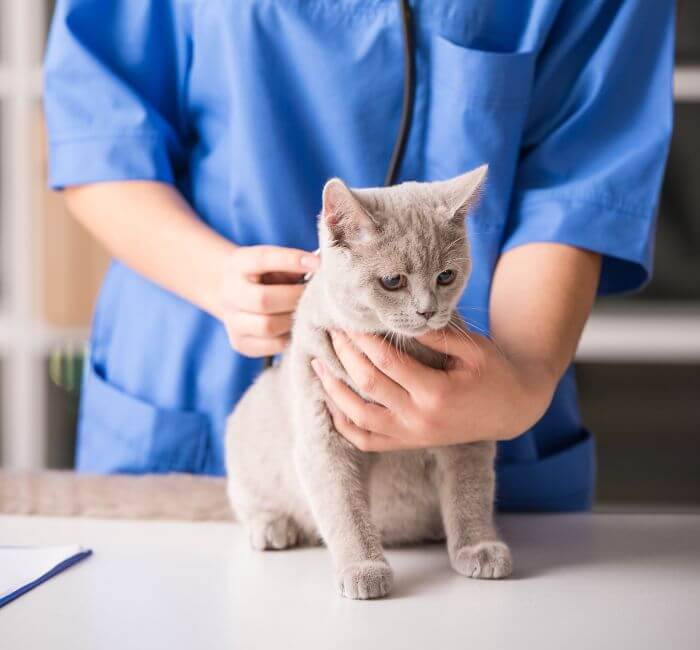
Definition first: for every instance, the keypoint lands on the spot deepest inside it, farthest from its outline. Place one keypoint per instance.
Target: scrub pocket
(118, 432)
(477, 102)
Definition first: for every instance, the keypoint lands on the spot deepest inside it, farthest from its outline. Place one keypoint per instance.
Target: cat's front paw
(267, 532)
(484, 560)
(365, 580)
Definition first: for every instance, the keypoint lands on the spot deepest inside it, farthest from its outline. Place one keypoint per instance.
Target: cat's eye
(393, 282)
(446, 277)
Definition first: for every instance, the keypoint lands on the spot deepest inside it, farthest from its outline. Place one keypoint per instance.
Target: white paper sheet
(23, 565)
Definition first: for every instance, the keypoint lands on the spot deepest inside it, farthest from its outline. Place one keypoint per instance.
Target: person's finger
(361, 438)
(261, 325)
(406, 371)
(264, 259)
(254, 346)
(366, 376)
(372, 417)
(267, 298)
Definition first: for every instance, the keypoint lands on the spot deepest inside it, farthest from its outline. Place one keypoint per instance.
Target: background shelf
(642, 332)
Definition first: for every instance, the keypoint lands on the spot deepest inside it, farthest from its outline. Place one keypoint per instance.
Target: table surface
(581, 581)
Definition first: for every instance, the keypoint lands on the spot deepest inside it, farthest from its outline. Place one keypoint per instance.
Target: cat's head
(397, 259)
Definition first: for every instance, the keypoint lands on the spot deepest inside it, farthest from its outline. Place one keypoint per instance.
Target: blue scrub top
(248, 106)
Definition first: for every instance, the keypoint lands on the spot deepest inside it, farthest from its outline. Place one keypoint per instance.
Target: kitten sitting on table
(394, 262)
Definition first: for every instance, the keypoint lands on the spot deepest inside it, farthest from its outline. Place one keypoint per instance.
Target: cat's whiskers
(385, 336)
(486, 334)
(399, 345)
(388, 338)
(452, 260)
(455, 242)
(458, 326)
(477, 327)
(461, 332)
(392, 342)
(444, 340)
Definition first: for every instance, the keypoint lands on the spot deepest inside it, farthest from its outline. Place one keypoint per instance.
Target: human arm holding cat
(602, 199)
(494, 388)
(152, 229)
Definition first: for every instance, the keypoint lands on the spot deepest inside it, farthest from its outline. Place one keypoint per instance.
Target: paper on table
(24, 567)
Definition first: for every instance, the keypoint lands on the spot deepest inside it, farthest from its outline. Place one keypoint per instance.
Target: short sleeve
(114, 76)
(597, 135)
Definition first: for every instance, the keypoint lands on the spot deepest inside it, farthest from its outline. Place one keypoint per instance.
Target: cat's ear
(345, 218)
(464, 192)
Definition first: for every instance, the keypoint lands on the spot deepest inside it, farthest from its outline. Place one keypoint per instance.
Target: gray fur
(292, 478)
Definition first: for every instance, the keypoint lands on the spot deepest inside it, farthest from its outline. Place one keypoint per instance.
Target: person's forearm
(541, 297)
(150, 227)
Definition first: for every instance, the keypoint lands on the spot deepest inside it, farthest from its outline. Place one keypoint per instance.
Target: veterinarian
(193, 139)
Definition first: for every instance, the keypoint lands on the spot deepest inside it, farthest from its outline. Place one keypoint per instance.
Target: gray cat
(292, 478)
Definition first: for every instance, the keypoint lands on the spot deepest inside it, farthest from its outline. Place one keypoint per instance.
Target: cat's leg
(262, 482)
(266, 528)
(466, 484)
(267, 525)
(334, 477)
(270, 530)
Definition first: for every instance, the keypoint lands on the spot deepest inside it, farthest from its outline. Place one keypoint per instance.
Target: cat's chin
(418, 330)
(410, 332)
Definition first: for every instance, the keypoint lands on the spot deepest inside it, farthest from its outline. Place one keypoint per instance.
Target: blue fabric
(248, 107)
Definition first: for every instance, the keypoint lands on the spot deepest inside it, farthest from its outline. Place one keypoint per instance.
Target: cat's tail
(152, 496)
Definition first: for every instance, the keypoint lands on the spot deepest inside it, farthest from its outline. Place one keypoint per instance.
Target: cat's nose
(426, 314)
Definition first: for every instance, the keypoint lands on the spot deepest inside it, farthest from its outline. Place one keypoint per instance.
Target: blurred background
(638, 365)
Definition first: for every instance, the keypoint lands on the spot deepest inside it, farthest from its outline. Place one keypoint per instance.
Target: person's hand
(258, 294)
(482, 395)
